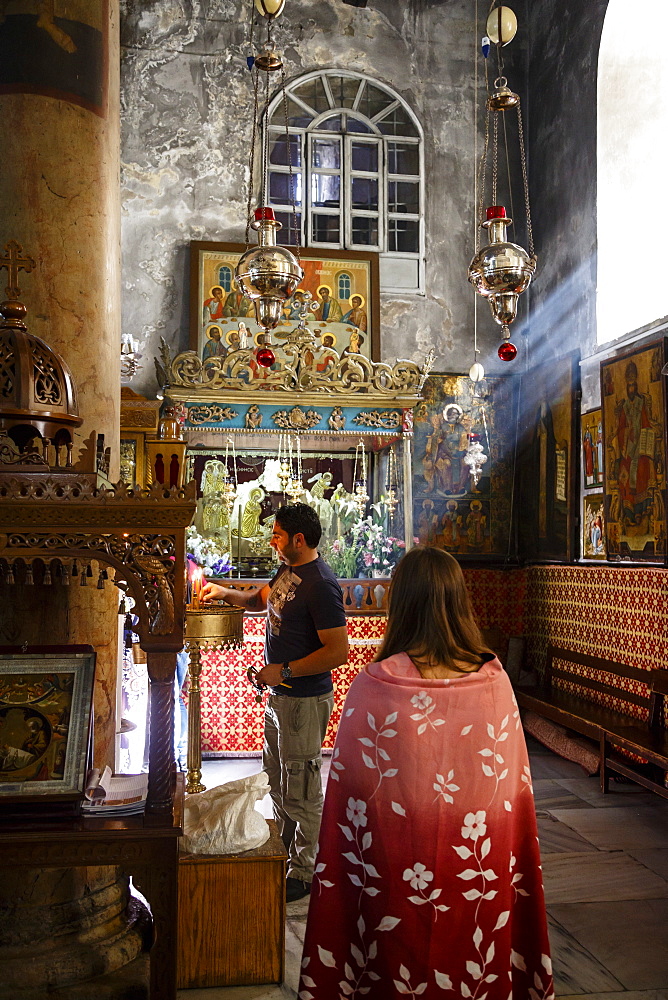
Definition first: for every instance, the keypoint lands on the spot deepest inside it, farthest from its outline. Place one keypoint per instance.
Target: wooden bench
(612, 730)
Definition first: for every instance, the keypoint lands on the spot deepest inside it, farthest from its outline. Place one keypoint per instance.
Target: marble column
(68, 932)
(60, 194)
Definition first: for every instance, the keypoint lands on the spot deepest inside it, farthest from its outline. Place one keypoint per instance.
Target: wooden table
(232, 916)
(145, 847)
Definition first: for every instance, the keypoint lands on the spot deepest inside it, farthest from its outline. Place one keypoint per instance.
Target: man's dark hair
(296, 517)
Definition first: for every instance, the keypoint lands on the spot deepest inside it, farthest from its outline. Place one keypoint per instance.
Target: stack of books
(110, 794)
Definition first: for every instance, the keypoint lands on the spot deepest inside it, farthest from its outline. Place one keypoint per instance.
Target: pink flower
(368, 558)
(401, 545)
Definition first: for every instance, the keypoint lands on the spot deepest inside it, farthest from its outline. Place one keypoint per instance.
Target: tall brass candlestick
(208, 626)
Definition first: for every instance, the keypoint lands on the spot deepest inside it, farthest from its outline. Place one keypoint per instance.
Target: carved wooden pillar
(161, 669)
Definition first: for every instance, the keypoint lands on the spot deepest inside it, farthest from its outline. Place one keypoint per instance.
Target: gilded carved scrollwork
(296, 419)
(297, 369)
(210, 414)
(387, 419)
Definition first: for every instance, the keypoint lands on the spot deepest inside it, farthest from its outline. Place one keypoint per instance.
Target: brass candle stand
(209, 626)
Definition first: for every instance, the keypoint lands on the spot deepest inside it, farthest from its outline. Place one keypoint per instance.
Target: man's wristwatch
(286, 672)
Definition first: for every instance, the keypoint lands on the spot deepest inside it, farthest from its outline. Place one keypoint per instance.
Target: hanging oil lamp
(267, 274)
(228, 483)
(360, 495)
(474, 458)
(391, 486)
(502, 270)
(283, 474)
(295, 488)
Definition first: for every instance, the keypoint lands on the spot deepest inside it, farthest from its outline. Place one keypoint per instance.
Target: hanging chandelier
(267, 274)
(501, 270)
(474, 458)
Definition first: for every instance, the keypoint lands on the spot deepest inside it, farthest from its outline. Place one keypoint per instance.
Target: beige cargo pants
(294, 729)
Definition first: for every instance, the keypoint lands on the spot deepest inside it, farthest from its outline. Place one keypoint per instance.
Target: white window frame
(307, 135)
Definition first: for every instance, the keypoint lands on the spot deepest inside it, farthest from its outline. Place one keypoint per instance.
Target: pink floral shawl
(428, 879)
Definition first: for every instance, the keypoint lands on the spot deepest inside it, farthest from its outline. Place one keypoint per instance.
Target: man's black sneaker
(295, 889)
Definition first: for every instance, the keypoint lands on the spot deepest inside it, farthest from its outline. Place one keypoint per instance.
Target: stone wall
(562, 86)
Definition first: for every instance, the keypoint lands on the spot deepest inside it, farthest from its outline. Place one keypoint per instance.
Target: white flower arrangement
(208, 552)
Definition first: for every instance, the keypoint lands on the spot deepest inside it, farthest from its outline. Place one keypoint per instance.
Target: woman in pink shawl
(427, 880)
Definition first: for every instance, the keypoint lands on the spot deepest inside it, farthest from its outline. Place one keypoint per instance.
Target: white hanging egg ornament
(502, 25)
(269, 8)
(476, 372)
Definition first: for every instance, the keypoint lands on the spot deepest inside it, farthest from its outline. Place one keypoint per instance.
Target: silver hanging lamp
(501, 270)
(267, 274)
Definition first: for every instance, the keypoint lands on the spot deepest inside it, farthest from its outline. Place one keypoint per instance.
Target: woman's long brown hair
(429, 613)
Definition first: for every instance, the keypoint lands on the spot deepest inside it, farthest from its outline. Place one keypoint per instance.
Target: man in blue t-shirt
(305, 639)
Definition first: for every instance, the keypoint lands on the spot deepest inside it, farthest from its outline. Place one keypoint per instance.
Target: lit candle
(197, 588)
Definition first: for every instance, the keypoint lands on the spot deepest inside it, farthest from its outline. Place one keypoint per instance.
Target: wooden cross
(14, 262)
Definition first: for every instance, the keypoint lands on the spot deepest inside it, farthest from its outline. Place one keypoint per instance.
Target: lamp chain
(510, 187)
(495, 156)
(251, 159)
(525, 181)
(265, 137)
(481, 179)
(293, 218)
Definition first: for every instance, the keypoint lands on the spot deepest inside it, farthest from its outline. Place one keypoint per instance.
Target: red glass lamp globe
(265, 358)
(507, 351)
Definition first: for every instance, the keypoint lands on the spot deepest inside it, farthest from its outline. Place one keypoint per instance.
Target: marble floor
(605, 861)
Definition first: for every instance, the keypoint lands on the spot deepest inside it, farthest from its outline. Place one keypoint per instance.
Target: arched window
(632, 141)
(355, 149)
(344, 285)
(225, 277)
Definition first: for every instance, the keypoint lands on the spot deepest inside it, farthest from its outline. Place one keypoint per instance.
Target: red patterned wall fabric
(232, 721)
(606, 611)
(615, 613)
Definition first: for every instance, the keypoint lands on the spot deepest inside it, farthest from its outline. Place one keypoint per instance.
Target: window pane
(374, 100)
(365, 231)
(344, 90)
(365, 156)
(403, 196)
(325, 190)
(280, 192)
(313, 93)
(331, 124)
(326, 229)
(356, 125)
(397, 122)
(365, 193)
(344, 286)
(225, 277)
(291, 228)
(403, 235)
(326, 153)
(297, 115)
(278, 150)
(402, 158)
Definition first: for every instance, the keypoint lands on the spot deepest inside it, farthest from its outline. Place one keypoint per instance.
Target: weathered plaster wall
(186, 106)
(562, 87)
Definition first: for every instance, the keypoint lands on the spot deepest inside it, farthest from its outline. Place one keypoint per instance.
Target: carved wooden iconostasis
(343, 433)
